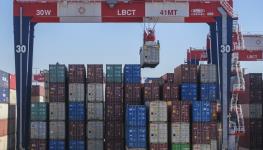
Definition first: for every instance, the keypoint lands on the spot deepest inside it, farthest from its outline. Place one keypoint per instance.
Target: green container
(57, 73)
(114, 73)
(180, 147)
(39, 111)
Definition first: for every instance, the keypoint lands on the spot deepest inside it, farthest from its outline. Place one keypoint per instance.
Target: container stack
(95, 107)
(114, 136)
(170, 90)
(76, 107)
(180, 125)
(132, 84)
(251, 103)
(57, 104)
(151, 92)
(158, 127)
(136, 127)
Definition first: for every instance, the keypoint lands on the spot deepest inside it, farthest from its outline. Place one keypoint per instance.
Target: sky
(118, 43)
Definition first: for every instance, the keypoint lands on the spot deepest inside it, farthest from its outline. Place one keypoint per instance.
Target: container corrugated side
(56, 145)
(4, 111)
(136, 115)
(76, 130)
(38, 130)
(95, 111)
(95, 144)
(57, 130)
(76, 92)
(4, 79)
(158, 133)
(76, 111)
(95, 130)
(208, 73)
(76, 145)
(38, 144)
(181, 147)
(39, 111)
(4, 95)
(180, 132)
(136, 137)
(158, 111)
(12, 96)
(3, 127)
(3, 143)
(95, 92)
(57, 111)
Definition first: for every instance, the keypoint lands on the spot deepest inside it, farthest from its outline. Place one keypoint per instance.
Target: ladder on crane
(225, 4)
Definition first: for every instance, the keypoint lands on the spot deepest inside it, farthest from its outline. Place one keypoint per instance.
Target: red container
(114, 144)
(76, 74)
(39, 77)
(57, 92)
(213, 131)
(158, 146)
(114, 111)
(37, 90)
(12, 81)
(168, 78)
(151, 92)
(201, 133)
(180, 111)
(185, 73)
(38, 144)
(132, 94)
(114, 129)
(3, 127)
(170, 91)
(76, 130)
(253, 136)
(95, 73)
(114, 92)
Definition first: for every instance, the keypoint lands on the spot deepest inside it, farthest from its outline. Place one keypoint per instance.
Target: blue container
(136, 137)
(189, 91)
(4, 79)
(132, 73)
(76, 111)
(208, 92)
(56, 145)
(136, 116)
(76, 145)
(201, 111)
(4, 95)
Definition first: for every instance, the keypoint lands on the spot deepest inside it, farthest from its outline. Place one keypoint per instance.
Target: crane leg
(23, 45)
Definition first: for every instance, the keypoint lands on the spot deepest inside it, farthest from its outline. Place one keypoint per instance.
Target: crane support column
(23, 45)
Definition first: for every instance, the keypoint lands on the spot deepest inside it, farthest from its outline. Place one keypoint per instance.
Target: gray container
(38, 130)
(57, 130)
(57, 111)
(95, 144)
(150, 54)
(95, 92)
(158, 111)
(95, 111)
(158, 133)
(208, 73)
(95, 130)
(76, 92)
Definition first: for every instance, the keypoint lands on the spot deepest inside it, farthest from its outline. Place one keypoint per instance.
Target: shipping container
(12, 97)
(38, 130)
(150, 54)
(201, 133)
(181, 147)
(76, 130)
(56, 145)
(37, 99)
(3, 127)
(95, 111)
(201, 147)
(95, 92)
(252, 111)
(132, 94)
(208, 92)
(213, 145)
(114, 111)
(39, 111)
(168, 78)
(57, 111)
(76, 145)
(3, 143)
(4, 95)
(201, 111)
(95, 145)
(180, 111)
(113, 130)
(136, 137)
(151, 92)
(37, 90)
(170, 91)
(180, 133)
(76, 92)
(12, 82)
(57, 73)
(162, 146)
(189, 91)
(76, 73)
(57, 130)
(208, 73)
(95, 73)
(132, 73)
(158, 133)
(38, 144)
(95, 130)
(114, 92)
(76, 111)
(158, 111)
(114, 73)
(4, 109)
(114, 144)
(57, 92)
(253, 42)
(136, 116)
(185, 73)
(158, 81)
(4, 79)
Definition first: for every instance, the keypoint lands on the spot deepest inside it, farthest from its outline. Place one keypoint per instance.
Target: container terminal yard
(198, 99)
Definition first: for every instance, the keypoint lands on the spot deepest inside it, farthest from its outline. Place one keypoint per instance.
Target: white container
(76, 92)
(3, 111)
(158, 133)
(180, 133)
(12, 96)
(38, 130)
(158, 111)
(95, 111)
(57, 111)
(57, 130)
(95, 130)
(213, 145)
(201, 147)
(3, 143)
(208, 73)
(95, 92)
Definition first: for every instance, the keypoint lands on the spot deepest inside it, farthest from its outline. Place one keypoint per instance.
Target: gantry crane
(27, 13)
